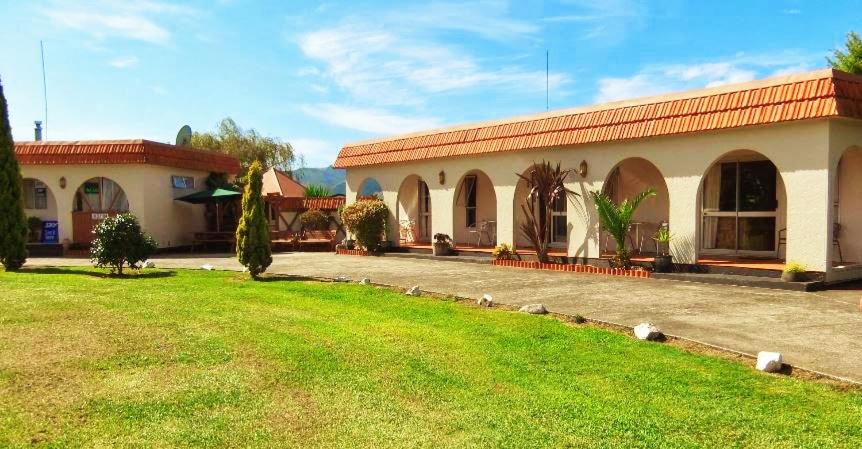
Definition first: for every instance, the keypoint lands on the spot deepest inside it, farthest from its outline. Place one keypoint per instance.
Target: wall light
(62, 182)
(582, 169)
(441, 177)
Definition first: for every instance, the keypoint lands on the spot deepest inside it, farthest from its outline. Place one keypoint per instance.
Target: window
(559, 224)
(470, 185)
(35, 194)
(424, 211)
(182, 182)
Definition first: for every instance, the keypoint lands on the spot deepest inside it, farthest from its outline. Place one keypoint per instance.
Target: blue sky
(319, 74)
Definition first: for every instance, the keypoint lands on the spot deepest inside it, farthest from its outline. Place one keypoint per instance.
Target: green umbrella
(210, 196)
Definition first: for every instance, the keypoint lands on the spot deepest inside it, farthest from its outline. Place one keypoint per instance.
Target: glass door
(740, 208)
(424, 212)
(559, 225)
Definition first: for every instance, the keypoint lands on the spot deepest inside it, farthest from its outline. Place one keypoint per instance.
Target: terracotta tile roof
(823, 93)
(298, 204)
(138, 151)
(279, 182)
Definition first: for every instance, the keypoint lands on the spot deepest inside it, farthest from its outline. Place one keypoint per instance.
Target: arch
(474, 210)
(847, 230)
(39, 202)
(560, 229)
(94, 200)
(369, 187)
(742, 205)
(413, 210)
(628, 178)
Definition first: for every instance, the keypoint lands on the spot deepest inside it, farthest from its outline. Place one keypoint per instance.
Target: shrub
(579, 319)
(119, 242)
(314, 220)
(442, 238)
(252, 233)
(317, 191)
(795, 267)
(13, 222)
(503, 251)
(366, 220)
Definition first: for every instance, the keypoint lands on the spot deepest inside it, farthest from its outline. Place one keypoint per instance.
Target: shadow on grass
(285, 278)
(131, 274)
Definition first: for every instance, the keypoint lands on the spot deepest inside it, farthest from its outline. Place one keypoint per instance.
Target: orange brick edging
(352, 252)
(573, 268)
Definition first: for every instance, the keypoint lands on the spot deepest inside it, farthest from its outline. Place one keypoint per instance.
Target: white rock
(342, 279)
(149, 264)
(207, 267)
(413, 291)
(485, 301)
(365, 281)
(647, 331)
(769, 362)
(535, 309)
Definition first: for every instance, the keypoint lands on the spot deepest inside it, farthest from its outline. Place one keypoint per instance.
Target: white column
(683, 217)
(809, 217)
(442, 213)
(505, 214)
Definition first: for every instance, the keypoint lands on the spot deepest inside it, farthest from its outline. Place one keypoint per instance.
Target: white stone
(365, 281)
(342, 279)
(535, 309)
(485, 301)
(647, 331)
(207, 267)
(413, 291)
(149, 264)
(769, 362)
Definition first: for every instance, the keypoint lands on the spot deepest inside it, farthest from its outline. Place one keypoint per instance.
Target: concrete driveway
(820, 331)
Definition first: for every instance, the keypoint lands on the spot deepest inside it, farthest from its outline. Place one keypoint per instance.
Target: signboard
(91, 188)
(99, 216)
(50, 232)
(182, 182)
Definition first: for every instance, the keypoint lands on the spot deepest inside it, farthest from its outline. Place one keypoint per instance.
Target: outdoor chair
(407, 231)
(836, 242)
(485, 229)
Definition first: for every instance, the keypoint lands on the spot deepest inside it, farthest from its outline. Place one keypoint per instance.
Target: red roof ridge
(750, 103)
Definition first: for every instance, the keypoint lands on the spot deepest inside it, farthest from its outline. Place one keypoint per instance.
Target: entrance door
(740, 209)
(424, 212)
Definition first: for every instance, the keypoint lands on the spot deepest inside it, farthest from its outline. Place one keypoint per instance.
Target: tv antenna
(44, 89)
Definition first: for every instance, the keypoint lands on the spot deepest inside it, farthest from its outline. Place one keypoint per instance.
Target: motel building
(747, 175)
(71, 186)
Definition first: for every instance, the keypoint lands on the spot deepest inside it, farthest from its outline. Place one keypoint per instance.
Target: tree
(252, 234)
(366, 220)
(246, 145)
(546, 186)
(850, 60)
(13, 221)
(317, 191)
(616, 220)
(314, 220)
(120, 241)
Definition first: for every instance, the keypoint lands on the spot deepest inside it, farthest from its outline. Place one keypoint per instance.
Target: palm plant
(317, 191)
(616, 220)
(546, 185)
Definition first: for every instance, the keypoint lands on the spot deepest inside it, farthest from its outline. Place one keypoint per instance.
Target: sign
(50, 232)
(91, 188)
(182, 182)
(98, 216)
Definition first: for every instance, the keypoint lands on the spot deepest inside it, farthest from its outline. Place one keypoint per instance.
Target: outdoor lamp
(441, 177)
(62, 182)
(582, 169)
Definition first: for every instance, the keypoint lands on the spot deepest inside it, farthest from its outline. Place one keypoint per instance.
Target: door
(559, 224)
(740, 209)
(424, 212)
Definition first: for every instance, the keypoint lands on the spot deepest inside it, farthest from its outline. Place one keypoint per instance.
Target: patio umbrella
(216, 196)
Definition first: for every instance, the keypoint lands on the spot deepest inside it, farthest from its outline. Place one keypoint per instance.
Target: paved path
(820, 331)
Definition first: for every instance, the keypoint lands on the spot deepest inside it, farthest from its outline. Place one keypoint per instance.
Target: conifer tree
(13, 222)
(252, 234)
(849, 60)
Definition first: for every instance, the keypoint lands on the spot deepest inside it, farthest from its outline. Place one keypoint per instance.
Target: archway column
(583, 221)
(684, 216)
(442, 206)
(809, 220)
(506, 211)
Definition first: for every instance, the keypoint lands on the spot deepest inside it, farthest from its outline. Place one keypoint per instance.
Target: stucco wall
(149, 191)
(803, 152)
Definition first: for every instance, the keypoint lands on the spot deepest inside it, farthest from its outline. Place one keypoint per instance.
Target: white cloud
(129, 20)
(658, 79)
(609, 20)
(368, 120)
(124, 62)
(392, 67)
(487, 19)
(315, 152)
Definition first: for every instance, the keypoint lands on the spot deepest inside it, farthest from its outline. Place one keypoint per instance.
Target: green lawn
(195, 358)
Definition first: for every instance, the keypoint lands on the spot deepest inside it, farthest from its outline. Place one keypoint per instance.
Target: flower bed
(352, 252)
(573, 268)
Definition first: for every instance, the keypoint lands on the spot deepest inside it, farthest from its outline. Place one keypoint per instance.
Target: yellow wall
(148, 188)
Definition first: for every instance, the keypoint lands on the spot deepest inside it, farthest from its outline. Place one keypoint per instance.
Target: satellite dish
(184, 136)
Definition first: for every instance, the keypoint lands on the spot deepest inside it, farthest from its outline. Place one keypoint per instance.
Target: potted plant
(793, 272)
(35, 225)
(503, 251)
(442, 244)
(663, 262)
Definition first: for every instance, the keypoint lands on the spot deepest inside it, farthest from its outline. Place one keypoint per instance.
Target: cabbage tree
(616, 220)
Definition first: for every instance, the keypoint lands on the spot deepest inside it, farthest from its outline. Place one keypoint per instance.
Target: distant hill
(328, 176)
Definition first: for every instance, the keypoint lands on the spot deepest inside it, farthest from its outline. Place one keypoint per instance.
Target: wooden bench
(288, 238)
(311, 238)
